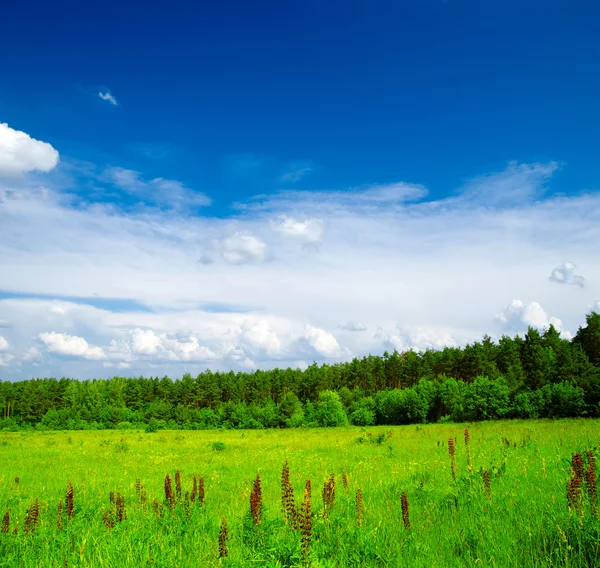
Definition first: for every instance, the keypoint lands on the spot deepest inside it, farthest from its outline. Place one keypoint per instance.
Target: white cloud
(323, 342)
(3, 344)
(6, 359)
(565, 274)
(32, 354)
(118, 365)
(260, 335)
(428, 273)
(353, 326)
(420, 338)
(366, 199)
(516, 184)
(242, 248)
(108, 97)
(307, 230)
(71, 345)
(163, 346)
(158, 191)
(20, 153)
(518, 315)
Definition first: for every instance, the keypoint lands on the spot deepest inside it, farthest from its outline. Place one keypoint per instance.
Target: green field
(524, 521)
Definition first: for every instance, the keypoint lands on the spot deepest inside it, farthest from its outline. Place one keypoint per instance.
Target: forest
(540, 375)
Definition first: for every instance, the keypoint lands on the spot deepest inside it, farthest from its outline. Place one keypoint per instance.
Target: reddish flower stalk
(328, 495)
(223, 538)
(169, 494)
(70, 501)
(178, 485)
(288, 502)
(108, 519)
(121, 514)
(577, 464)
(452, 452)
(487, 485)
(345, 481)
(5, 527)
(256, 501)
(405, 512)
(467, 444)
(201, 491)
(32, 516)
(574, 493)
(360, 507)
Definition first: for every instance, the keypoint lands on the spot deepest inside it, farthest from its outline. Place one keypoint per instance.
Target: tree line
(538, 375)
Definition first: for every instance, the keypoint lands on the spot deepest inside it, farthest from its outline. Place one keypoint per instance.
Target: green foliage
(362, 412)
(563, 401)
(329, 410)
(400, 407)
(486, 399)
(538, 375)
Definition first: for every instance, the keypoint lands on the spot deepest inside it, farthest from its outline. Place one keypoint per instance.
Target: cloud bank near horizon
(90, 287)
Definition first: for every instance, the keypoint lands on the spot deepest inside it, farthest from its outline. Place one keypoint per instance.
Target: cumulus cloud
(71, 345)
(242, 248)
(565, 274)
(519, 315)
(163, 346)
(3, 344)
(158, 191)
(419, 338)
(353, 326)
(108, 97)
(323, 342)
(20, 153)
(260, 335)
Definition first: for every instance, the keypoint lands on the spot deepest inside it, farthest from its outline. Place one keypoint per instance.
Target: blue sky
(249, 168)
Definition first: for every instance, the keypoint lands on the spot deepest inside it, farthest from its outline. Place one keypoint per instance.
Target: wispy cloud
(171, 193)
(296, 171)
(424, 273)
(108, 97)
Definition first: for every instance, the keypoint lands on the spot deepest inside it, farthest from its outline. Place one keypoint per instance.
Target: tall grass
(531, 502)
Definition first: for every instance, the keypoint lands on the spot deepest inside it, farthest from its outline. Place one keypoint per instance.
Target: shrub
(562, 400)
(400, 407)
(330, 410)
(486, 399)
(362, 416)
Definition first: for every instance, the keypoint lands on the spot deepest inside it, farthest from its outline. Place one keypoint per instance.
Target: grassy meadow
(522, 518)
